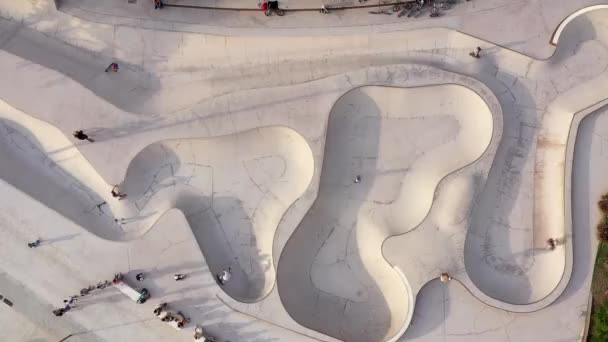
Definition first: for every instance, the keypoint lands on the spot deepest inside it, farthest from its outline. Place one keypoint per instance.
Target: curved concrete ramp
(511, 267)
(401, 142)
(232, 189)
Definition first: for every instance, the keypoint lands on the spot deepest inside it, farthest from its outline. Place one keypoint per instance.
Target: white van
(139, 296)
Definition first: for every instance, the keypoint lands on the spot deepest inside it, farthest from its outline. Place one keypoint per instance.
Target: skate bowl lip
(562, 25)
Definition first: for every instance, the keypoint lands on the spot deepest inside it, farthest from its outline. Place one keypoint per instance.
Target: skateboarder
(80, 135)
(34, 244)
(224, 276)
(552, 243)
(113, 66)
(475, 54)
(117, 194)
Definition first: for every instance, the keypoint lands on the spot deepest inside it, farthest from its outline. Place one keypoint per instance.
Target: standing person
(70, 302)
(445, 277)
(475, 54)
(80, 135)
(263, 6)
(34, 244)
(113, 66)
(158, 4)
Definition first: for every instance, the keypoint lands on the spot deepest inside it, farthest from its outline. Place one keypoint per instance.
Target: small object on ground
(445, 277)
(224, 276)
(159, 309)
(357, 179)
(551, 244)
(34, 244)
(475, 54)
(80, 135)
(158, 4)
(139, 276)
(179, 277)
(117, 194)
(113, 67)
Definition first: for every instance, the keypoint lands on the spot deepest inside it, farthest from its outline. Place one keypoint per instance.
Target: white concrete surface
(256, 135)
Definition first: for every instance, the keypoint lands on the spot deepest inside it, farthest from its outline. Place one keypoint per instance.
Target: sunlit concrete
(241, 150)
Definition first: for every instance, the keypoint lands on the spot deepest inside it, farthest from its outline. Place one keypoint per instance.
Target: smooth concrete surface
(451, 192)
(191, 175)
(339, 239)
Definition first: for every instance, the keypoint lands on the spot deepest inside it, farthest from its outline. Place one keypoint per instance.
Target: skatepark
(337, 175)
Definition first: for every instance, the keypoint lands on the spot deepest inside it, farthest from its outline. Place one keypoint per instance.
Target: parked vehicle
(138, 295)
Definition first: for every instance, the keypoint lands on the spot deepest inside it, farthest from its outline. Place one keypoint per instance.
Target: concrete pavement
(482, 238)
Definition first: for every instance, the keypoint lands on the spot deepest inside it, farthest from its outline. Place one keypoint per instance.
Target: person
(551, 244)
(117, 194)
(324, 10)
(58, 312)
(198, 332)
(224, 276)
(159, 309)
(179, 277)
(263, 6)
(357, 179)
(80, 135)
(139, 276)
(445, 277)
(113, 66)
(69, 303)
(475, 53)
(158, 4)
(34, 244)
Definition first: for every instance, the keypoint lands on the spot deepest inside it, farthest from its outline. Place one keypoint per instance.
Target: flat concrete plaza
(349, 176)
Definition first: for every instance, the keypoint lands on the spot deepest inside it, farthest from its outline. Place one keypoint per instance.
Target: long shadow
(491, 261)
(579, 30)
(25, 165)
(582, 179)
(222, 228)
(351, 149)
(130, 89)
